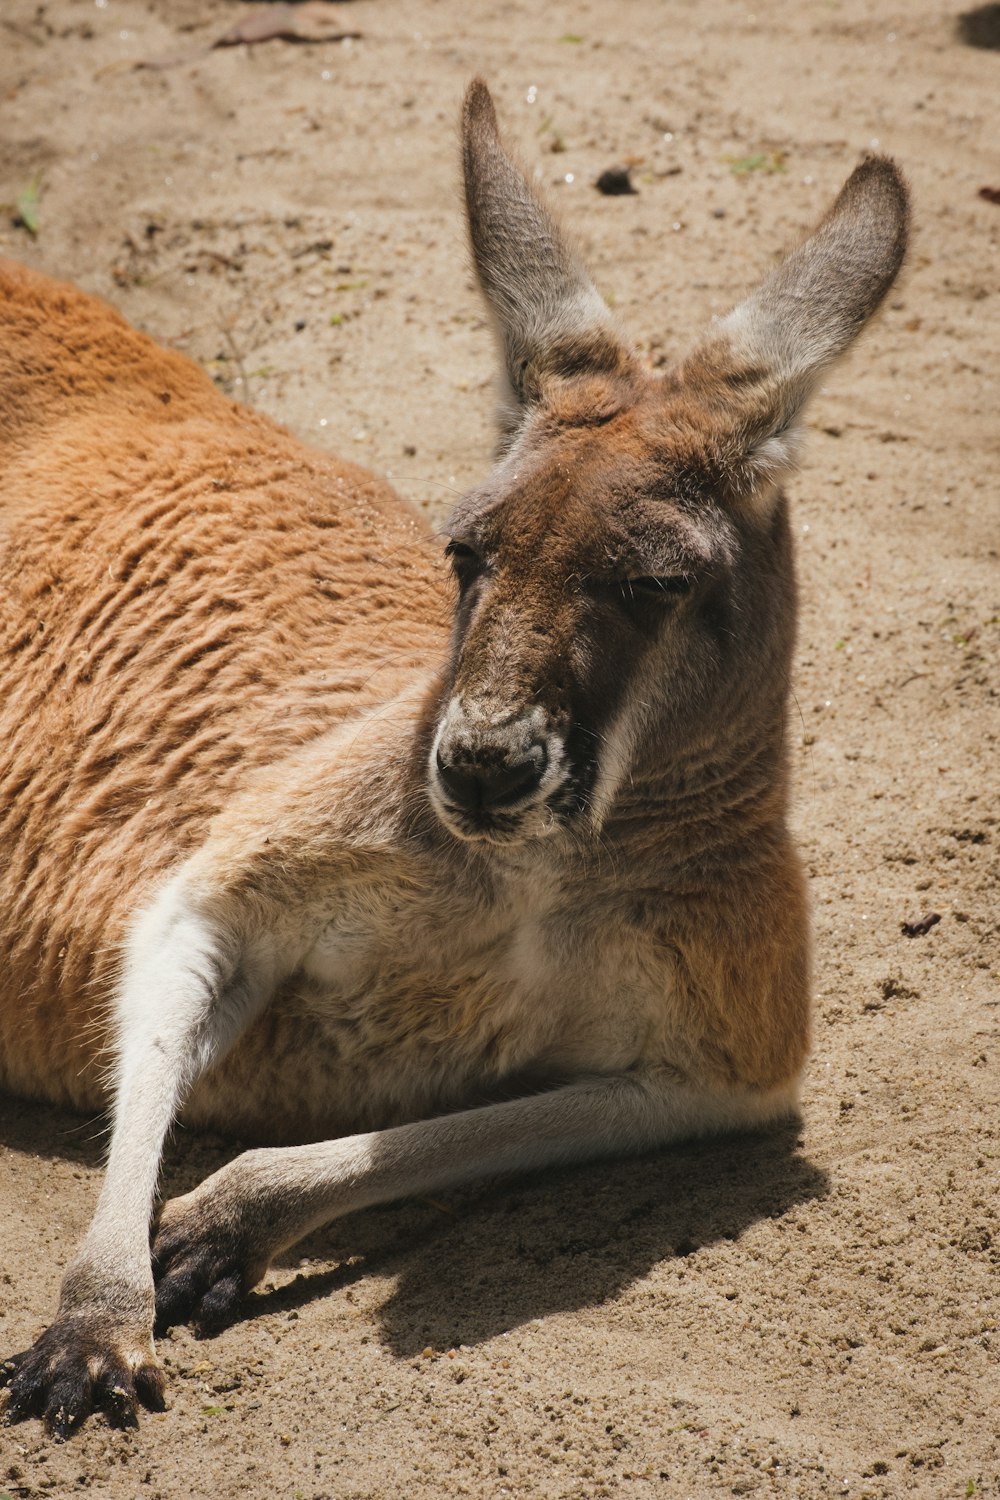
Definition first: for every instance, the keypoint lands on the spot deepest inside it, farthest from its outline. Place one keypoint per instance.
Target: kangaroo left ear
(550, 319)
(765, 359)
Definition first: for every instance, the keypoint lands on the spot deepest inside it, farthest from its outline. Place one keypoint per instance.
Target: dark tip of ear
(879, 186)
(874, 204)
(885, 174)
(477, 108)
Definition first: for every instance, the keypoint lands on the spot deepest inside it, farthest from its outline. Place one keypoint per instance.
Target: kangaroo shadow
(48, 1132)
(487, 1260)
(478, 1262)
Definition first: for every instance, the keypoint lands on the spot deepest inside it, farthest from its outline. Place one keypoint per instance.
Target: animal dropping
(501, 881)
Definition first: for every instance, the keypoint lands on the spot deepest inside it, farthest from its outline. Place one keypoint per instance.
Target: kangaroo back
(186, 594)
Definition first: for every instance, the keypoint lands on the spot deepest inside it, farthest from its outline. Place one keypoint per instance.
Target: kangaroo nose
(481, 784)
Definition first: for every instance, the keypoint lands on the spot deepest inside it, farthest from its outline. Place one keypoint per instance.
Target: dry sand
(809, 1315)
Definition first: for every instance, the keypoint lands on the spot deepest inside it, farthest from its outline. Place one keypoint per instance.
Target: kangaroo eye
(657, 588)
(465, 561)
(460, 552)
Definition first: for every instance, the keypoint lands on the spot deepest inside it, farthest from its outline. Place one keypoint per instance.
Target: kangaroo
(413, 873)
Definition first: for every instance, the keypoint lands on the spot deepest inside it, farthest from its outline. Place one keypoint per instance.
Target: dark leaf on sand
(614, 181)
(980, 27)
(921, 926)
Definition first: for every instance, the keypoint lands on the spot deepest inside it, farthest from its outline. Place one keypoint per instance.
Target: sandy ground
(809, 1315)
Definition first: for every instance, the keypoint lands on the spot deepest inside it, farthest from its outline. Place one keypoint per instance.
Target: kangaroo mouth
(488, 828)
(536, 818)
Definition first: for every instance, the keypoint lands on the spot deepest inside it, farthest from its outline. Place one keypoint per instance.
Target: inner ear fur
(551, 323)
(762, 362)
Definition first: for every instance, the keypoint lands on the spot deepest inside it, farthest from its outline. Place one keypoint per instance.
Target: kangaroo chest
(528, 979)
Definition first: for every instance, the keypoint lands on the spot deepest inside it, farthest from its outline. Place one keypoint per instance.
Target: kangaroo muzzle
(488, 775)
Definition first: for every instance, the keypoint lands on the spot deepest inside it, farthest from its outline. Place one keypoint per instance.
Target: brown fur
(185, 596)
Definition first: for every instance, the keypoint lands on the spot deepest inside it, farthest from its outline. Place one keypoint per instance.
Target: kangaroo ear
(768, 355)
(550, 319)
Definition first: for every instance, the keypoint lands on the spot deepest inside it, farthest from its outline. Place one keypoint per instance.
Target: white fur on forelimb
(185, 996)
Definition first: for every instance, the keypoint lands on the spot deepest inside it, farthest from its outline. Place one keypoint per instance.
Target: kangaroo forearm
(279, 1195)
(307, 1185)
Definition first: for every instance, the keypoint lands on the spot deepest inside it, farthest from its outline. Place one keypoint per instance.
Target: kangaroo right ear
(550, 319)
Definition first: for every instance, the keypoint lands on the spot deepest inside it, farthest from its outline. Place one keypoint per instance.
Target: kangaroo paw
(83, 1363)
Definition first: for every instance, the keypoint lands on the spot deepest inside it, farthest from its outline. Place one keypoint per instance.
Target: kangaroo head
(624, 575)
